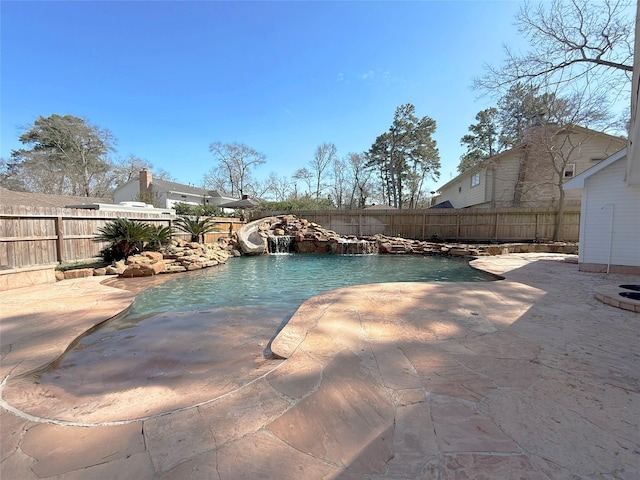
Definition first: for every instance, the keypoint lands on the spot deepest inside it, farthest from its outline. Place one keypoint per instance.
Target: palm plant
(124, 237)
(196, 227)
(159, 236)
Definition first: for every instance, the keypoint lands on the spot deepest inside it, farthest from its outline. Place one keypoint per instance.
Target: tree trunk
(557, 229)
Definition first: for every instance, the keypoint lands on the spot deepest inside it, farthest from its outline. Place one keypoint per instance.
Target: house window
(460, 188)
(569, 170)
(475, 179)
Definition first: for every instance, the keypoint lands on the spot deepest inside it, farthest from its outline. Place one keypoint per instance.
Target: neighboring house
(609, 218)
(165, 194)
(526, 175)
(10, 198)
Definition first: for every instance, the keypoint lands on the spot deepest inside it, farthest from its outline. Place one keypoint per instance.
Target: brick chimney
(145, 181)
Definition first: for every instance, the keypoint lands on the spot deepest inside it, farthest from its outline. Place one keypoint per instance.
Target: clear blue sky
(169, 78)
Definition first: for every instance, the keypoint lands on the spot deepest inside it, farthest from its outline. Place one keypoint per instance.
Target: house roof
(179, 187)
(445, 204)
(244, 203)
(578, 180)
(175, 187)
(11, 198)
(380, 206)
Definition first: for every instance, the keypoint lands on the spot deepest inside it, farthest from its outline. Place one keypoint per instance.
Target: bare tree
(306, 176)
(576, 47)
(569, 40)
(360, 180)
(235, 161)
(324, 156)
(126, 169)
(280, 188)
(339, 182)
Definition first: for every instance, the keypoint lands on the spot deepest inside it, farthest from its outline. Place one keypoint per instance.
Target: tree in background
(404, 156)
(306, 176)
(483, 141)
(577, 46)
(126, 169)
(319, 171)
(280, 188)
(11, 176)
(339, 183)
(235, 162)
(524, 106)
(323, 157)
(505, 127)
(360, 180)
(67, 155)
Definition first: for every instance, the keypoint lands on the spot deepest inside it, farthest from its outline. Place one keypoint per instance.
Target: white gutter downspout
(610, 235)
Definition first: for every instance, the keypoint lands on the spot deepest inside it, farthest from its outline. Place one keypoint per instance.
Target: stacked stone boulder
(309, 237)
(313, 238)
(179, 256)
(146, 264)
(188, 256)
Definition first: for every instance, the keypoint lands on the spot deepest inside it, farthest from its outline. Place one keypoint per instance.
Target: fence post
(495, 234)
(359, 224)
(457, 227)
(59, 239)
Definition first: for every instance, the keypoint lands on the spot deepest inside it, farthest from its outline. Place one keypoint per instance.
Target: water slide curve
(249, 238)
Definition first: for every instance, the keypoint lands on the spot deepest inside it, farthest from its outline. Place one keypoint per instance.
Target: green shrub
(126, 237)
(196, 227)
(205, 210)
(301, 203)
(159, 236)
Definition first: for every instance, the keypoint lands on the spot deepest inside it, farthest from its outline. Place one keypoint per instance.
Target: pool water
(286, 281)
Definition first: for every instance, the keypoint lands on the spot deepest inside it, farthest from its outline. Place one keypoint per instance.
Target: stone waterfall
(282, 244)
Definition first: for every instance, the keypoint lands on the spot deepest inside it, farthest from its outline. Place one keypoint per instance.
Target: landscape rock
(78, 273)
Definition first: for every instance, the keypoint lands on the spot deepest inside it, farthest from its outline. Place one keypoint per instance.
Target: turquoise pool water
(286, 281)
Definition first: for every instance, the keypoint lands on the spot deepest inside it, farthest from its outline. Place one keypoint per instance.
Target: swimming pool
(286, 281)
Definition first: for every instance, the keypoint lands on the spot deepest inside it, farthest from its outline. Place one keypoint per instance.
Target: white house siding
(605, 193)
(127, 192)
(171, 198)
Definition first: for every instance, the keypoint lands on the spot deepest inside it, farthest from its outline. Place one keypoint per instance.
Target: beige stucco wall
(461, 194)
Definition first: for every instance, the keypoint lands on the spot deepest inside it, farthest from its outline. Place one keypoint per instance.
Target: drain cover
(631, 295)
(631, 287)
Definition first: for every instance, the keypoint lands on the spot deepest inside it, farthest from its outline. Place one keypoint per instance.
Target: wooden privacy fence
(47, 235)
(468, 225)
